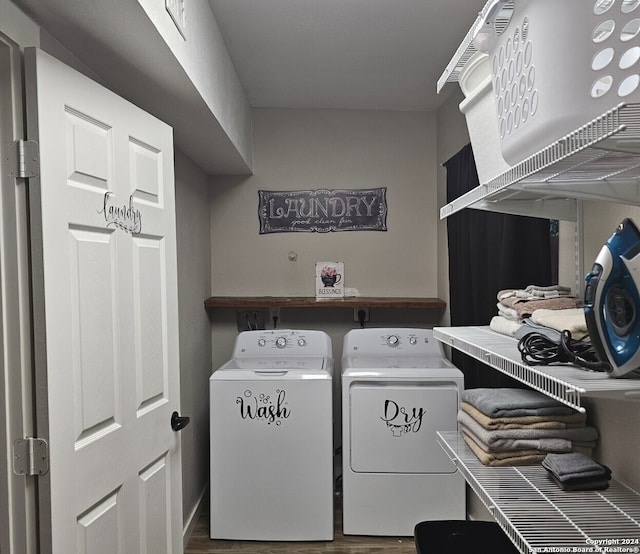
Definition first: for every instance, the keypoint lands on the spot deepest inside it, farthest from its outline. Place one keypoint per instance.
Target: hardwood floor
(200, 543)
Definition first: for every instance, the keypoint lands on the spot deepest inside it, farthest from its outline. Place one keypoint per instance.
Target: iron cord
(538, 349)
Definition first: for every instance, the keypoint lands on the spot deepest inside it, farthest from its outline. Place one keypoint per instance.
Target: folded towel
(571, 319)
(513, 445)
(501, 459)
(533, 292)
(574, 465)
(504, 326)
(508, 313)
(530, 326)
(576, 471)
(582, 434)
(525, 307)
(576, 419)
(508, 402)
(581, 484)
(536, 291)
(554, 288)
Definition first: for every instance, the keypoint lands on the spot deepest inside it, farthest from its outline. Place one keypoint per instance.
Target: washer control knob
(413, 340)
(393, 340)
(261, 342)
(302, 342)
(281, 342)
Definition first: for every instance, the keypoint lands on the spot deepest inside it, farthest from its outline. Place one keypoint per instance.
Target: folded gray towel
(505, 402)
(530, 326)
(581, 484)
(582, 434)
(573, 465)
(556, 288)
(516, 445)
(574, 471)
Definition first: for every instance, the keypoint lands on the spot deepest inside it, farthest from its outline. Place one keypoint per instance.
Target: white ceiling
(351, 54)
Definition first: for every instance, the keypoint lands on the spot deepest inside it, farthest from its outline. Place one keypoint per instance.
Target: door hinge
(22, 158)
(30, 456)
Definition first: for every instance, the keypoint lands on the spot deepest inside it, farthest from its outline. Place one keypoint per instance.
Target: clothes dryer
(272, 438)
(398, 389)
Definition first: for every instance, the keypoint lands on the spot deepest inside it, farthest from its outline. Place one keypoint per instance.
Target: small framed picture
(329, 279)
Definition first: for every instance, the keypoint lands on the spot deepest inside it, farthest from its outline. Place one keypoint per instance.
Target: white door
(106, 316)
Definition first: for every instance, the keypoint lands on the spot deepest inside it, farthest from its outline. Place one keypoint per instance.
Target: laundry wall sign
(322, 210)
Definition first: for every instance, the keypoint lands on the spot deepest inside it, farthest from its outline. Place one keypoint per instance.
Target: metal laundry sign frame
(322, 210)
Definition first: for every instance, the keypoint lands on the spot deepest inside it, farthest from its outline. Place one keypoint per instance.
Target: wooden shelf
(312, 302)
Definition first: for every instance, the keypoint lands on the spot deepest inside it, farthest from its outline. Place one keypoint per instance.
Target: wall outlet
(357, 314)
(274, 317)
(251, 319)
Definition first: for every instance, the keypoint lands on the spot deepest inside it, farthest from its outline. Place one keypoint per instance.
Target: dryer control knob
(413, 340)
(393, 340)
(302, 342)
(261, 342)
(281, 342)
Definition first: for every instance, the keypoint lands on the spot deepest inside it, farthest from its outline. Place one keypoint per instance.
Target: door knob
(178, 422)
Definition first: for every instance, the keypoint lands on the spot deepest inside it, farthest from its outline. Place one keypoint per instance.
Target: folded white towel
(508, 312)
(570, 319)
(504, 326)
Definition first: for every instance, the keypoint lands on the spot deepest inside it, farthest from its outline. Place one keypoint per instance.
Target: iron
(612, 300)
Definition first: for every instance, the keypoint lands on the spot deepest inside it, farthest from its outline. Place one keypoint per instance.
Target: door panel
(105, 281)
(151, 336)
(154, 488)
(393, 426)
(95, 371)
(100, 525)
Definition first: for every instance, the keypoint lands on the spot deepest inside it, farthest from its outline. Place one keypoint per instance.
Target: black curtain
(488, 252)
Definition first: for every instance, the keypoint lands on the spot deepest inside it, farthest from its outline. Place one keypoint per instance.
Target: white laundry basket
(479, 110)
(558, 65)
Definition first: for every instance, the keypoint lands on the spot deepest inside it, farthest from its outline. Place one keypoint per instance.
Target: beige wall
(311, 149)
(194, 278)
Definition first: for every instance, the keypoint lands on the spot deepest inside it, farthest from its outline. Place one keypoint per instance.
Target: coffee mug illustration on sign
(330, 276)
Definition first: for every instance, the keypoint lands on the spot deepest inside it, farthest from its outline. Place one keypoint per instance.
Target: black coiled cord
(538, 349)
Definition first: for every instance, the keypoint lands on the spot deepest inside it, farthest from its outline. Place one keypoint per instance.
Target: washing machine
(272, 438)
(398, 389)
